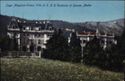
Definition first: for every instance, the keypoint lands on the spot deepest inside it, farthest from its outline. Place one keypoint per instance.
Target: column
(82, 45)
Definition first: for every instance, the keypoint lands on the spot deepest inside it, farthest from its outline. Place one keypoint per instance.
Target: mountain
(4, 21)
(114, 26)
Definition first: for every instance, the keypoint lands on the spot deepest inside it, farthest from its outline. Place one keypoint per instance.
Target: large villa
(36, 33)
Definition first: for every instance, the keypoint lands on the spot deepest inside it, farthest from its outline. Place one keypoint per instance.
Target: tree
(4, 43)
(57, 47)
(93, 52)
(8, 44)
(75, 48)
(112, 57)
(120, 51)
(121, 44)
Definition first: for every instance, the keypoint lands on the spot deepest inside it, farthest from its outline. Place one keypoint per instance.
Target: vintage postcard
(62, 40)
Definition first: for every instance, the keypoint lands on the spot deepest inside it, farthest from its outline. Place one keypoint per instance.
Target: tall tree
(57, 47)
(115, 55)
(93, 52)
(75, 48)
(122, 45)
(120, 50)
(4, 43)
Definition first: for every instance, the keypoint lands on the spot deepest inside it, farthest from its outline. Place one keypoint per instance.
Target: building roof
(87, 33)
(32, 24)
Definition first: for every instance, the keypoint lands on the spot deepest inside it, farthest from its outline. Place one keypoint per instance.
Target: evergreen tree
(119, 51)
(4, 43)
(122, 45)
(57, 47)
(13, 44)
(75, 48)
(114, 56)
(93, 53)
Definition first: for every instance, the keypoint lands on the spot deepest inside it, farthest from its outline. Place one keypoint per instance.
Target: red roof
(87, 33)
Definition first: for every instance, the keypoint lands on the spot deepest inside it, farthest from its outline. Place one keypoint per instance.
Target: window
(39, 41)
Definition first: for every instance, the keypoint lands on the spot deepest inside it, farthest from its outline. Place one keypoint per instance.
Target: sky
(72, 11)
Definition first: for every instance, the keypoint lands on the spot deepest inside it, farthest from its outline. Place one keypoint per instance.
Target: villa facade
(31, 35)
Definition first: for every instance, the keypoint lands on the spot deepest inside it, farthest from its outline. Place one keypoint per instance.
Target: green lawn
(34, 69)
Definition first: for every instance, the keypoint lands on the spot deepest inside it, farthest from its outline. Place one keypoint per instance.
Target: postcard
(62, 40)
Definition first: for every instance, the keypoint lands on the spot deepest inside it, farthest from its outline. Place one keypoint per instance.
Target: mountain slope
(114, 26)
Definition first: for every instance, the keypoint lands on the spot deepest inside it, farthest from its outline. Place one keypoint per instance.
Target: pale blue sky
(98, 11)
